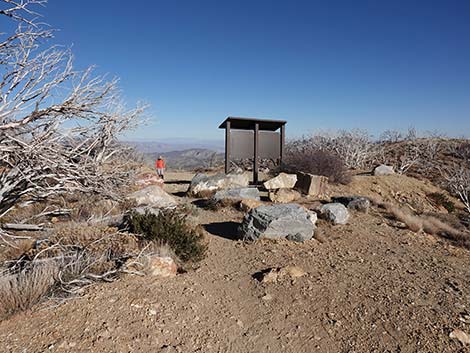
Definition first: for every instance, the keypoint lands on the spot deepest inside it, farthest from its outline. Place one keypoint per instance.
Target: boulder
(284, 195)
(153, 196)
(336, 213)
(203, 185)
(289, 221)
(312, 185)
(357, 203)
(247, 204)
(282, 181)
(383, 170)
(147, 179)
(237, 194)
(162, 267)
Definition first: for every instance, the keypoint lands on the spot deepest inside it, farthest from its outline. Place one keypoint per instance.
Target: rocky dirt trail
(369, 287)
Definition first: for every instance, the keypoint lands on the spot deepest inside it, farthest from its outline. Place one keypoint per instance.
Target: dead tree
(58, 126)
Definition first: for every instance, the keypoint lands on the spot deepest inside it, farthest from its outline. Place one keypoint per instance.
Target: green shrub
(442, 200)
(169, 227)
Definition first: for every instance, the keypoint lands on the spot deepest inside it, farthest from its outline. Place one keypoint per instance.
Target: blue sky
(317, 64)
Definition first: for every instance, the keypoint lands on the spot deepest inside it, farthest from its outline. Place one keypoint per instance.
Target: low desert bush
(429, 224)
(318, 162)
(169, 227)
(440, 199)
(20, 291)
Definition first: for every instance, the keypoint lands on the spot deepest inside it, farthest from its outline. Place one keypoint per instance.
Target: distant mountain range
(176, 144)
(182, 154)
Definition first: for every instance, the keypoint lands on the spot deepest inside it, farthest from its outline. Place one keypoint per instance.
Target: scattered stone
(312, 185)
(280, 274)
(203, 185)
(361, 204)
(336, 213)
(247, 205)
(463, 337)
(357, 203)
(237, 194)
(153, 196)
(162, 267)
(282, 181)
(289, 221)
(284, 195)
(383, 170)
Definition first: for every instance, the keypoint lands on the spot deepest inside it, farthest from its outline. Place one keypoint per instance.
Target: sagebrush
(169, 227)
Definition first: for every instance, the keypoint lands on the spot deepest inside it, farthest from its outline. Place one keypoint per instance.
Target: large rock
(312, 185)
(383, 170)
(153, 196)
(336, 213)
(282, 181)
(203, 185)
(237, 194)
(284, 195)
(289, 221)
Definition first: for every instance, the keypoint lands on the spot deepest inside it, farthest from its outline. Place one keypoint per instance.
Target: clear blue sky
(318, 64)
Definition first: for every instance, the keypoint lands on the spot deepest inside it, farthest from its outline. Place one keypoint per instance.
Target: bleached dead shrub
(428, 224)
(20, 291)
(355, 147)
(457, 180)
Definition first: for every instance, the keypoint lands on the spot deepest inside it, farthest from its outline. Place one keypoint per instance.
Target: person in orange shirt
(160, 165)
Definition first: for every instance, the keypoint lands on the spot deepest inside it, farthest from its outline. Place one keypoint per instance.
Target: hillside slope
(371, 286)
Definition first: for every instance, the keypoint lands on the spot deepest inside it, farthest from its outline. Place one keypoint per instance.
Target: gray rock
(357, 203)
(383, 170)
(203, 185)
(361, 204)
(282, 181)
(336, 213)
(309, 184)
(153, 196)
(237, 194)
(289, 221)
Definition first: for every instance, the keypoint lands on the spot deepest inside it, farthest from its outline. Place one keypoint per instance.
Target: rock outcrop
(289, 221)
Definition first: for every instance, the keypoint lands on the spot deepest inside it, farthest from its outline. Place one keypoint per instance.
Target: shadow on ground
(178, 182)
(227, 230)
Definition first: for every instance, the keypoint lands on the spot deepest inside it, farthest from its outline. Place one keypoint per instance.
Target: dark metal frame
(256, 125)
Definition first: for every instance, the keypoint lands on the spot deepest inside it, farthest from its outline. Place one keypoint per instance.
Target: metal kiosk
(253, 138)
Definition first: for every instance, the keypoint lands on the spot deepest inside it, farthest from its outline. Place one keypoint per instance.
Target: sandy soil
(370, 287)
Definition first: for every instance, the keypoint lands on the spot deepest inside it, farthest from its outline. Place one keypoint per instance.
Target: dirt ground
(371, 286)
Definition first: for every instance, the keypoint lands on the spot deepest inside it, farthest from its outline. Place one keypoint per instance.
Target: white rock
(282, 181)
(154, 196)
(383, 170)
